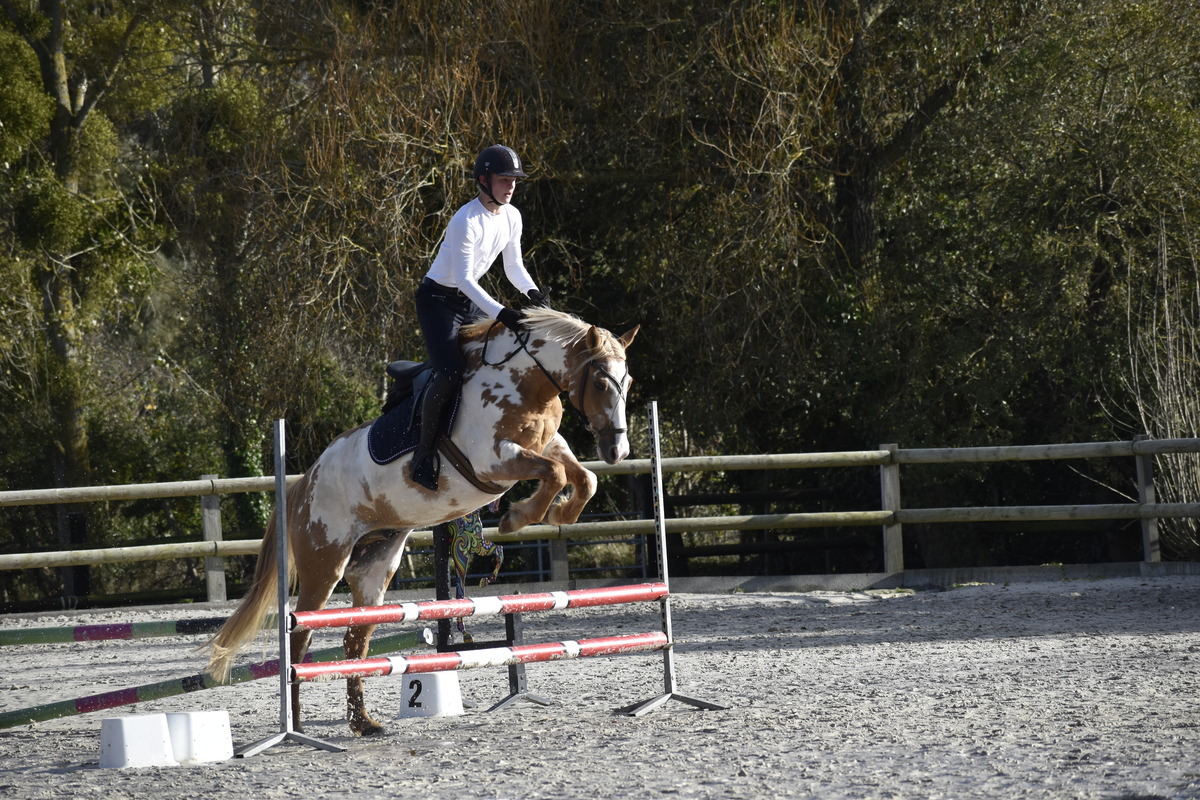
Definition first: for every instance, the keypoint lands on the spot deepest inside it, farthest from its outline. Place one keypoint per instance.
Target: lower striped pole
(484, 657)
(192, 683)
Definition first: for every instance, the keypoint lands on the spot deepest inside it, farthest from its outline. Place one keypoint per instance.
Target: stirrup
(425, 469)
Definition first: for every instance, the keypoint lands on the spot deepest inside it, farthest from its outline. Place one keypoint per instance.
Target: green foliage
(24, 107)
(144, 41)
(49, 217)
(97, 148)
(839, 224)
(221, 121)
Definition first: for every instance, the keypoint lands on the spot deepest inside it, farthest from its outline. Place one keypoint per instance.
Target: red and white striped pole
(485, 657)
(480, 606)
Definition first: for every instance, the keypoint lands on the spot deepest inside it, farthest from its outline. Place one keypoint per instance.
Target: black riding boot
(426, 466)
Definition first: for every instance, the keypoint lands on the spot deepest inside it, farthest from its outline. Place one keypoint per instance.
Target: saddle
(409, 379)
(397, 431)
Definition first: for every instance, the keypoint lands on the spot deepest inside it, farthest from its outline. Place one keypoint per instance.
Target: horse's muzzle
(612, 445)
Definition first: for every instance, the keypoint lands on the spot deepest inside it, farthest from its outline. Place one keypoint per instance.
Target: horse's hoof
(367, 728)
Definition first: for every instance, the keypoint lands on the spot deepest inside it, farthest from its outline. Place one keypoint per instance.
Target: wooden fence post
(641, 490)
(1146, 494)
(893, 536)
(214, 566)
(560, 571)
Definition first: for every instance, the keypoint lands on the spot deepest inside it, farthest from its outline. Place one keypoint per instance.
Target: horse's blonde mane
(556, 326)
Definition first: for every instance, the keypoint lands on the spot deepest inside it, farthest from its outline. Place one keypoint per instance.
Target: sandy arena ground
(1070, 689)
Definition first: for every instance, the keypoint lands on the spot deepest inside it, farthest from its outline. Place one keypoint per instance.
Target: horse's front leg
(565, 509)
(520, 464)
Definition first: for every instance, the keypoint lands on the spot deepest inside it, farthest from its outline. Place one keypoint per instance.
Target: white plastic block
(430, 694)
(141, 740)
(198, 737)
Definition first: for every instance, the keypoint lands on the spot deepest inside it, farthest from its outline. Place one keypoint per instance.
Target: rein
(522, 344)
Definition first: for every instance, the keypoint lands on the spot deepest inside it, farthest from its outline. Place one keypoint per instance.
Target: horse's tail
(247, 620)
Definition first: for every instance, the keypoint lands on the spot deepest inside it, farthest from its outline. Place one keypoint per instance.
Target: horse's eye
(601, 385)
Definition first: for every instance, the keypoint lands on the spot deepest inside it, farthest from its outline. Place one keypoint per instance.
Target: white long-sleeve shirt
(473, 240)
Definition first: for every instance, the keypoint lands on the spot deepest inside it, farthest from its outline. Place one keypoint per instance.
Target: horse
(349, 516)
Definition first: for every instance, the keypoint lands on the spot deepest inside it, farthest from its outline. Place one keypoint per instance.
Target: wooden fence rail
(891, 517)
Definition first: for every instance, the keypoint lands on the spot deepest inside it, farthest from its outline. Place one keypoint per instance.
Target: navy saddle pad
(398, 430)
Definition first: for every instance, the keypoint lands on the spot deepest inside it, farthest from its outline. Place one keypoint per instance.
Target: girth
(461, 463)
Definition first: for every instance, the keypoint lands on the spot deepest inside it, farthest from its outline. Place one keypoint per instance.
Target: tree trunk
(855, 176)
(68, 444)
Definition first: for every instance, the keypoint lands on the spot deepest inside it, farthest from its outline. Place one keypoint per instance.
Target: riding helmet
(499, 160)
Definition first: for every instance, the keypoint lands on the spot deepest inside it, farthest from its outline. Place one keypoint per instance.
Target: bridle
(591, 366)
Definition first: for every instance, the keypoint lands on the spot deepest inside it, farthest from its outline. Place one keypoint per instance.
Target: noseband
(522, 342)
(590, 366)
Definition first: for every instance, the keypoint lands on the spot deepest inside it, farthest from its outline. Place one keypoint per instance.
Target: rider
(450, 294)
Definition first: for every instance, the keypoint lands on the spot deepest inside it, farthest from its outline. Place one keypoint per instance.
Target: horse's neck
(554, 367)
(523, 378)
(511, 402)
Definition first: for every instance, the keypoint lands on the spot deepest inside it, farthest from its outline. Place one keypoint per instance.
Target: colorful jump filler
(466, 540)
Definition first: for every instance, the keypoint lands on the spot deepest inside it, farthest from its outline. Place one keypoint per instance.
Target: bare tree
(1163, 330)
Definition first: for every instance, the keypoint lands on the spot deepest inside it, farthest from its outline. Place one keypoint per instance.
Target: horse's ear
(627, 336)
(594, 341)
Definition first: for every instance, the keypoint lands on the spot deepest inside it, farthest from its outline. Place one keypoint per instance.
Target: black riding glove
(537, 298)
(511, 319)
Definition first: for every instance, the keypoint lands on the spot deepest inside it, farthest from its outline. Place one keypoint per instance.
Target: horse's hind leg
(356, 642)
(371, 568)
(312, 594)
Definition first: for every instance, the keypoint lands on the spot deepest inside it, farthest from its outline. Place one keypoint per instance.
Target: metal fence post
(441, 578)
(210, 523)
(1146, 494)
(893, 537)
